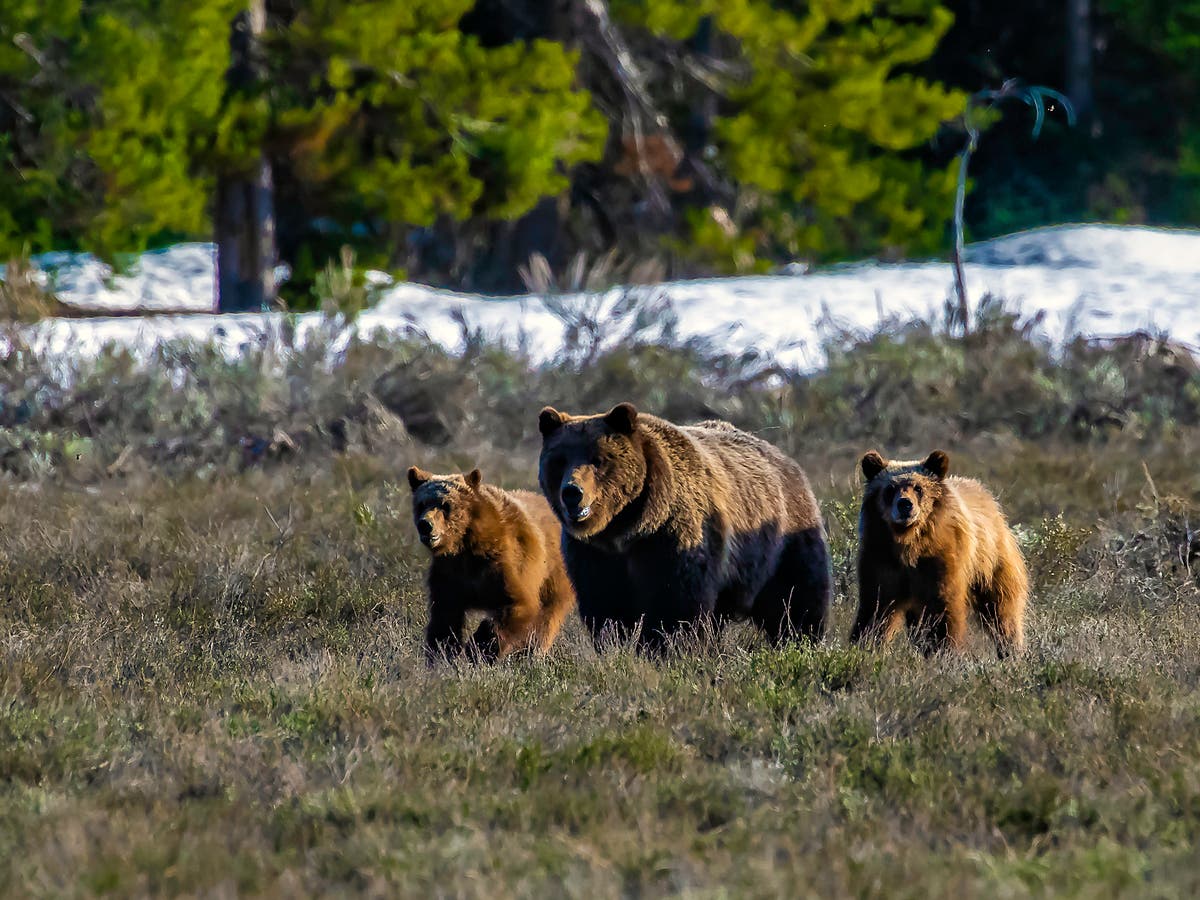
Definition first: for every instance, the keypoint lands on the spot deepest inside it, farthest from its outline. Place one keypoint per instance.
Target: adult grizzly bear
(932, 550)
(665, 525)
(495, 552)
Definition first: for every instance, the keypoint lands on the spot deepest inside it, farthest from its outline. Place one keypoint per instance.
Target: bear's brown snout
(426, 531)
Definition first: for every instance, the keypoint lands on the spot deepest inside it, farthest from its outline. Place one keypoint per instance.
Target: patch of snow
(174, 278)
(1113, 247)
(1091, 280)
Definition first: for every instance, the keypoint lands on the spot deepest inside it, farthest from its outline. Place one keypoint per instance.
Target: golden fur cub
(493, 551)
(932, 550)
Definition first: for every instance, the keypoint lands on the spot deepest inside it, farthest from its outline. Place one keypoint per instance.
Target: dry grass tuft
(22, 296)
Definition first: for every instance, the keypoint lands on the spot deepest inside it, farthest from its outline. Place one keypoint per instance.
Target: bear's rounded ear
(549, 421)
(872, 464)
(474, 477)
(417, 477)
(622, 418)
(937, 464)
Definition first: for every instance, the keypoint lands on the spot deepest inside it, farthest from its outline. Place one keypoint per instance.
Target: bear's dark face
(591, 467)
(904, 494)
(442, 507)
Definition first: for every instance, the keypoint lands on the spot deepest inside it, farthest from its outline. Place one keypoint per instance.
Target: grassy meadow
(211, 601)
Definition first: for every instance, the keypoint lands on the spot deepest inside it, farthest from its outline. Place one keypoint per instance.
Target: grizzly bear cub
(495, 552)
(932, 550)
(667, 525)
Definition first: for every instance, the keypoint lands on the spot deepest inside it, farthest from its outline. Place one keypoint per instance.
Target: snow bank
(174, 278)
(1094, 280)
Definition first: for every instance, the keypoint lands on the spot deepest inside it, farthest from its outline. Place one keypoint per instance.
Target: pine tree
(394, 117)
(736, 131)
(115, 104)
(817, 125)
(382, 114)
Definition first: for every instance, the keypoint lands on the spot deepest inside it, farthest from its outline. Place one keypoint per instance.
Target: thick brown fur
(496, 552)
(667, 525)
(933, 549)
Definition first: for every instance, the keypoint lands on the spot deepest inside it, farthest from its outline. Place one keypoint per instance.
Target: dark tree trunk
(244, 221)
(245, 238)
(699, 121)
(539, 232)
(1079, 58)
(513, 244)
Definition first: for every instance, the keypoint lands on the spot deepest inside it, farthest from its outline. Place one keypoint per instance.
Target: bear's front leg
(676, 587)
(880, 611)
(940, 621)
(443, 634)
(606, 596)
(516, 626)
(517, 622)
(486, 644)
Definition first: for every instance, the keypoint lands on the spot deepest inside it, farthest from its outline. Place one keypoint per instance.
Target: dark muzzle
(572, 500)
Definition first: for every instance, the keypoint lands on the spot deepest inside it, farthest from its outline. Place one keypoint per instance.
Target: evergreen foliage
(394, 118)
(115, 106)
(457, 138)
(820, 129)
(383, 115)
(158, 68)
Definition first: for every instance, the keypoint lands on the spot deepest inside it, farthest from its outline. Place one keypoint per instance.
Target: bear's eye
(889, 494)
(918, 490)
